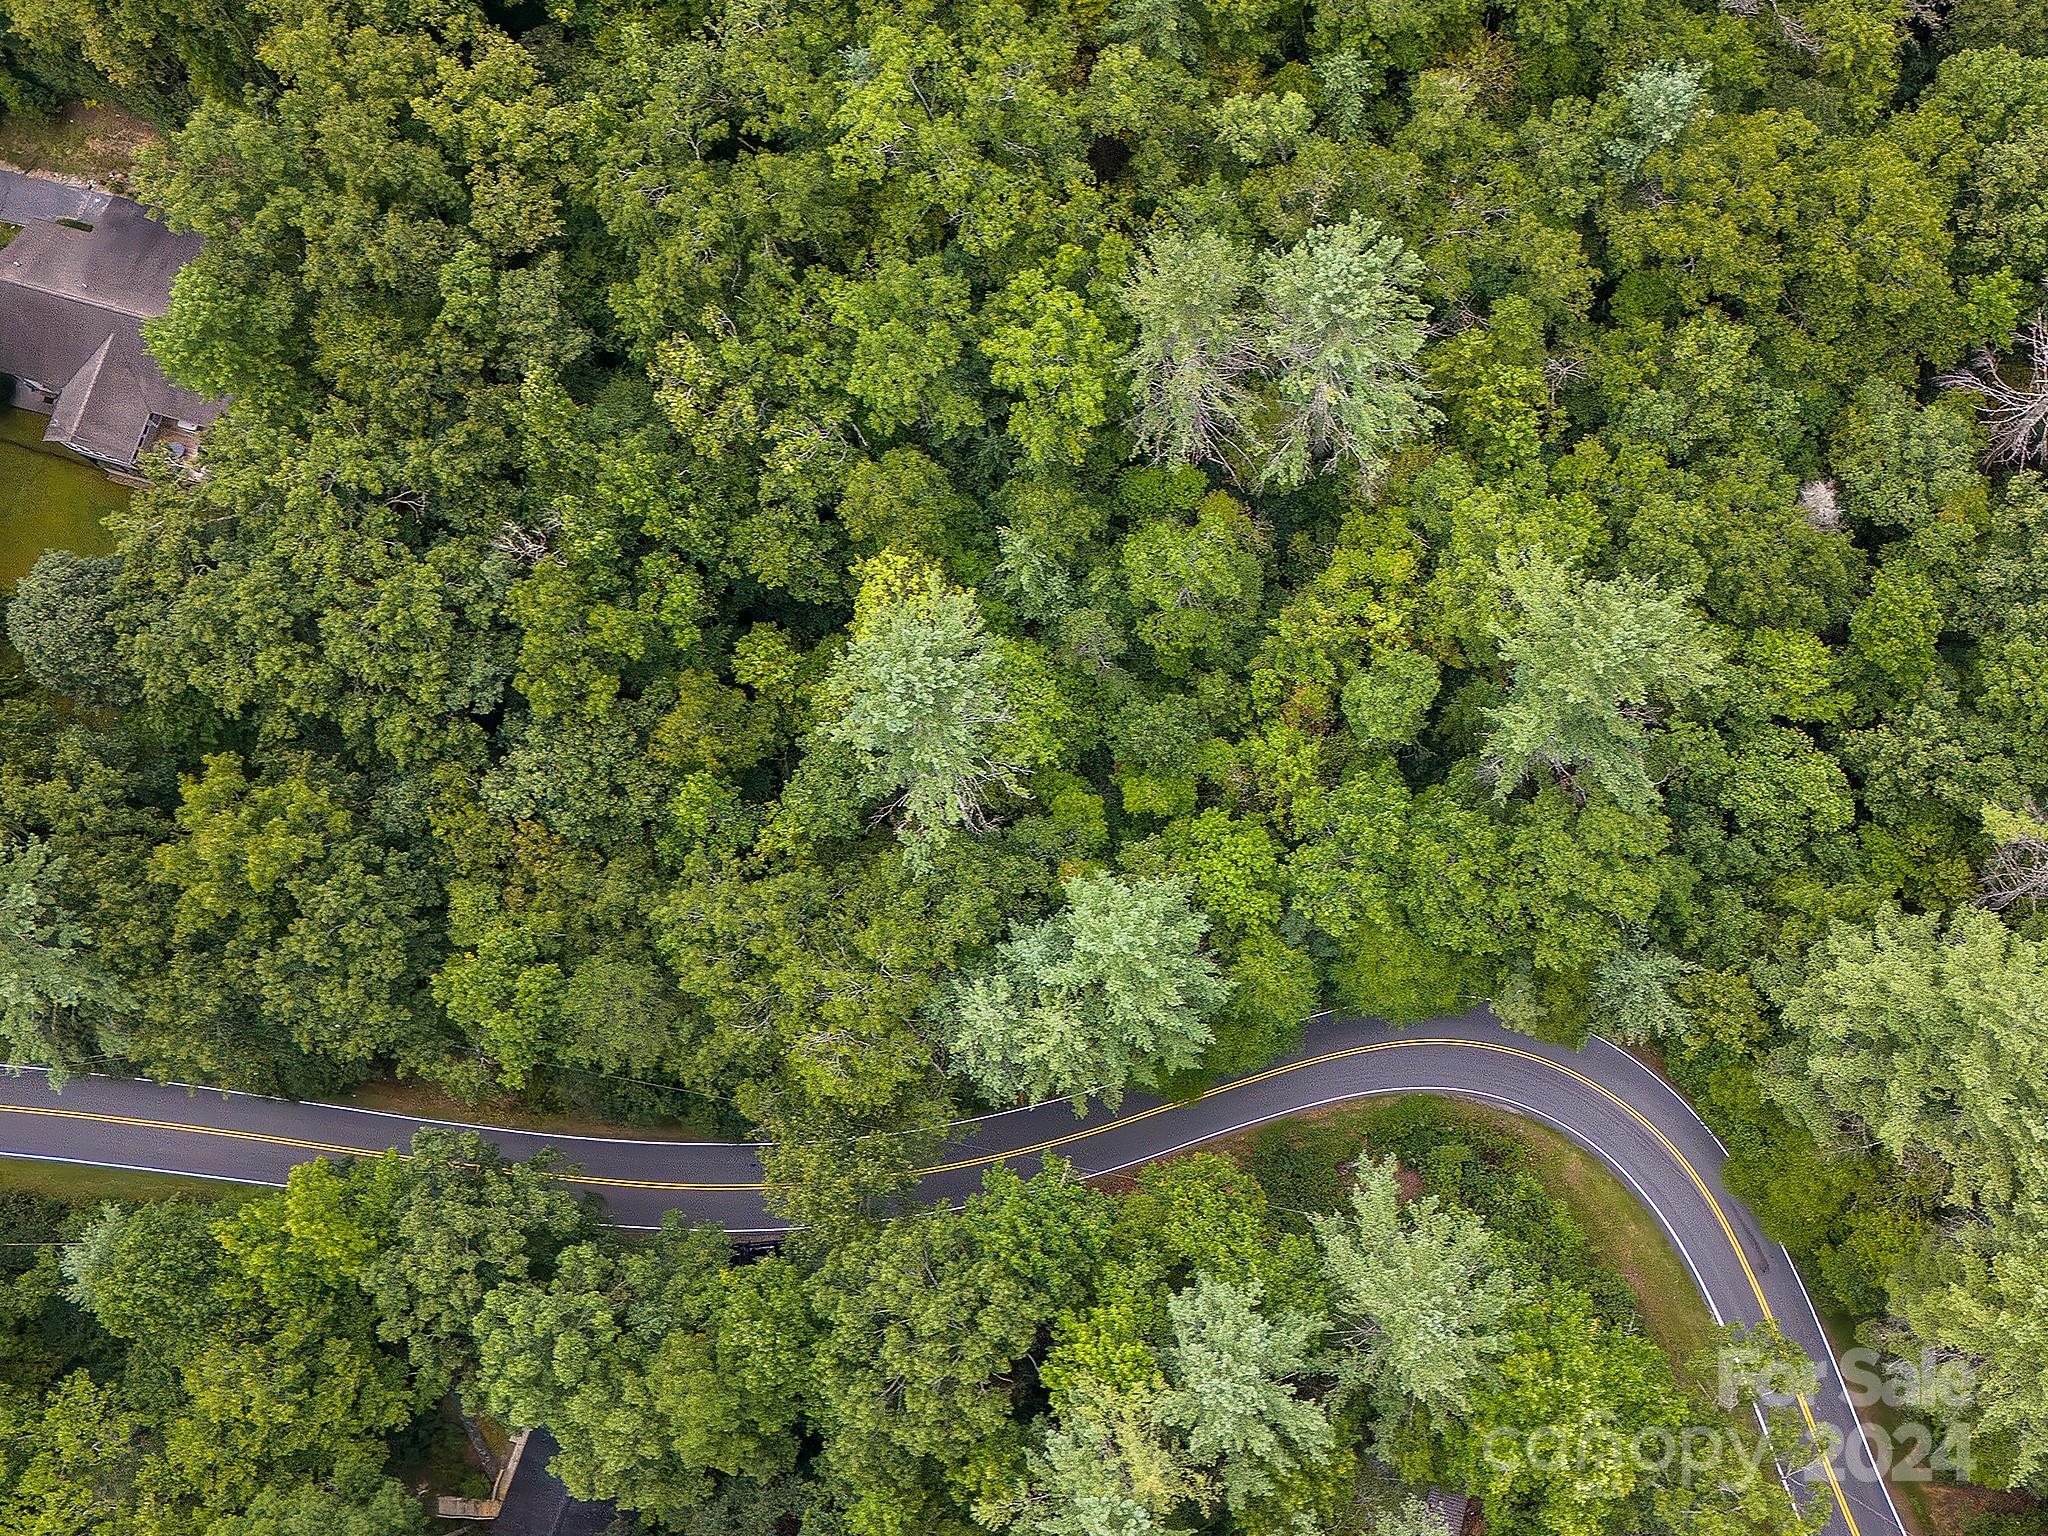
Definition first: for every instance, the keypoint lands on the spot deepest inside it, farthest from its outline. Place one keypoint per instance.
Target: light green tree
(1049, 350)
(917, 707)
(1632, 993)
(250, 1342)
(82, 1457)
(1988, 1301)
(1197, 587)
(357, 1501)
(1258, 127)
(1106, 1469)
(1418, 1298)
(50, 989)
(1588, 663)
(1387, 701)
(1112, 990)
(1339, 333)
(1231, 1371)
(652, 1368)
(1194, 353)
(464, 1222)
(1403, 1515)
(148, 1274)
(1929, 1038)
(1658, 101)
(925, 1326)
(1551, 1435)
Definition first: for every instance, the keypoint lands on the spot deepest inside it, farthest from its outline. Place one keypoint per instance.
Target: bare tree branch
(2017, 415)
(2018, 871)
(1790, 27)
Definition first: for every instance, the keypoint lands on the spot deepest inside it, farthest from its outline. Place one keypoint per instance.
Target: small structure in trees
(1448, 1507)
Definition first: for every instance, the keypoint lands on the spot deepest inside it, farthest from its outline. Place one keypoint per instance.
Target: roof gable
(72, 306)
(105, 409)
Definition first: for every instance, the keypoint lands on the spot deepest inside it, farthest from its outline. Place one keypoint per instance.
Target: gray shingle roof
(69, 417)
(72, 303)
(105, 409)
(125, 261)
(1448, 1507)
(24, 197)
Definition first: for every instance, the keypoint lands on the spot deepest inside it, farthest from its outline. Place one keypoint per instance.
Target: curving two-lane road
(1601, 1097)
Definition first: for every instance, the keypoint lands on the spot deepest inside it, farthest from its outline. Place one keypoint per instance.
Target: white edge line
(1064, 1102)
(1799, 1283)
(1580, 1138)
(551, 1137)
(20, 1069)
(1394, 1031)
(1585, 1140)
(174, 1173)
(221, 1178)
(1855, 1415)
(1662, 1082)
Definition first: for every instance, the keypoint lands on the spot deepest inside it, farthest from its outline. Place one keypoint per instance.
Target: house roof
(24, 197)
(105, 408)
(72, 306)
(69, 417)
(125, 262)
(1448, 1507)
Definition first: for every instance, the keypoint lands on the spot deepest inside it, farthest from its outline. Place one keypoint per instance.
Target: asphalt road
(1601, 1097)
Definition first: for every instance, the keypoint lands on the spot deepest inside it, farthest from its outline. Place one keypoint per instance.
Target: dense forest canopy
(812, 567)
(1049, 1360)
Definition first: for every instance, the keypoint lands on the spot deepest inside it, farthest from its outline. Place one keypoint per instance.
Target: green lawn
(75, 1184)
(47, 501)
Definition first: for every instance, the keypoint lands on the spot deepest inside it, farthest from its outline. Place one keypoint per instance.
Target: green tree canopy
(1418, 1301)
(1589, 662)
(1113, 990)
(1930, 1037)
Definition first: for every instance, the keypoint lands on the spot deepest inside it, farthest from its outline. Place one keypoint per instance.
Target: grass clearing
(1620, 1228)
(48, 500)
(78, 1184)
(1302, 1163)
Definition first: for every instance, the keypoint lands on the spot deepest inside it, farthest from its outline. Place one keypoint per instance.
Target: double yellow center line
(1053, 1144)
